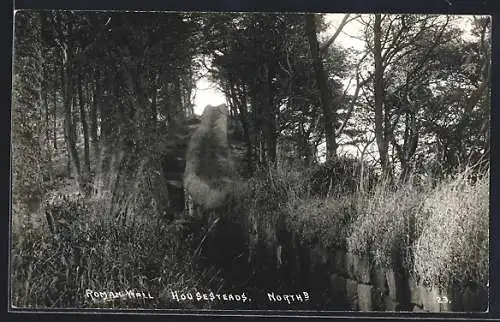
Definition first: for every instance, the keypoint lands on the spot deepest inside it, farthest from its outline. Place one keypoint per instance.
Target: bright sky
(207, 94)
(345, 38)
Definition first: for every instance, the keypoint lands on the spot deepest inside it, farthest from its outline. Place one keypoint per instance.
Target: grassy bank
(441, 231)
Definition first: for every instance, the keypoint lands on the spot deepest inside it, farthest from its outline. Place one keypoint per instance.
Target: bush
(265, 203)
(63, 210)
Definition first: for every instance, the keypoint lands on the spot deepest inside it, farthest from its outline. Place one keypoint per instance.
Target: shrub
(265, 205)
(439, 232)
(63, 210)
(260, 207)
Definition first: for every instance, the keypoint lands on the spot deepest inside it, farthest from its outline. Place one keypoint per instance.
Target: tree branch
(330, 41)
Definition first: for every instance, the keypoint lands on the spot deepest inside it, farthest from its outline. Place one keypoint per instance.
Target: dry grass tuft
(454, 243)
(384, 222)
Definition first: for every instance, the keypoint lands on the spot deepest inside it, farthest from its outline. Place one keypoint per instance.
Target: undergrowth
(385, 222)
(454, 242)
(437, 233)
(95, 252)
(440, 232)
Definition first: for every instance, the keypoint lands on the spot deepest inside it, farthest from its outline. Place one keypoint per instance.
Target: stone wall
(351, 282)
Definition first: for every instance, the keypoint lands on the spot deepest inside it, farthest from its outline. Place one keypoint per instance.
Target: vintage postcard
(247, 162)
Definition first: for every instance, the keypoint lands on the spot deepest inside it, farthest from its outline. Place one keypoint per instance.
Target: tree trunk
(46, 110)
(46, 144)
(85, 129)
(93, 112)
(68, 148)
(247, 137)
(154, 108)
(410, 143)
(107, 113)
(329, 111)
(270, 127)
(68, 98)
(239, 99)
(74, 112)
(54, 116)
(304, 147)
(382, 143)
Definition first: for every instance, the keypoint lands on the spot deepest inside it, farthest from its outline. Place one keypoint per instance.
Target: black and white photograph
(250, 161)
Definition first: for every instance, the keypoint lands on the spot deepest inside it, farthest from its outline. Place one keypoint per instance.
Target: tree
(65, 42)
(254, 66)
(28, 157)
(329, 112)
(85, 130)
(128, 81)
(404, 50)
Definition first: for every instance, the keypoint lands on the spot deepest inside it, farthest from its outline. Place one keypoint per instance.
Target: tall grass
(437, 232)
(93, 251)
(385, 222)
(440, 231)
(454, 242)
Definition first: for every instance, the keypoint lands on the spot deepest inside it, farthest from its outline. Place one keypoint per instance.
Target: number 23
(442, 299)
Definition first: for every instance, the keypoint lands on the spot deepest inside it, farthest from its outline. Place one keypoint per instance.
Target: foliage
(422, 227)
(340, 176)
(440, 233)
(266, 207)
(326, 222)
(428, 96)
(265, 74)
